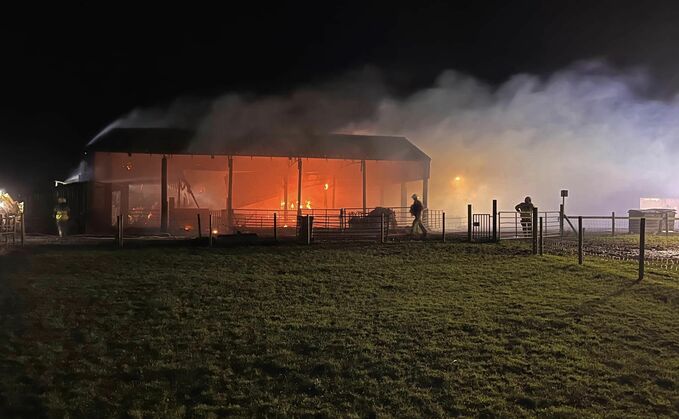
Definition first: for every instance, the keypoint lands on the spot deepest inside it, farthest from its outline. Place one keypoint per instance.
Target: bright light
(457, 178)
(325, 187)
(215, 231)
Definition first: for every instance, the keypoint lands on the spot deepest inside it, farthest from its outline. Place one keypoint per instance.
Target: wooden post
(308, 229)
(299, 186)
(163, 195)
(580, 240)
(275, 229)
(443, 227)
(469, 222)
(121, 225)
(494, 220)
(642, 246)
(613, 224)
(229, 200)
(425, 192)
(561, 220)
(382, 228)
(540, 239)
(23, 226)
(210, 233)
(667, 225)
(365, 182)
(200, 230)
(534, 230)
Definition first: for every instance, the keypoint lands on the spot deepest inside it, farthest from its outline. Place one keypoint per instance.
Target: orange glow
(325, 187)
(457, 178)
(215, 231)
(187, 228)
(308, 204)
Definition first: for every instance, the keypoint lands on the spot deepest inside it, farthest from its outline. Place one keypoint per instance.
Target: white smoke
(584, 129)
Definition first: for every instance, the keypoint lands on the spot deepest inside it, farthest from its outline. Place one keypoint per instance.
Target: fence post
(308, 230)
(275, 227)
(210, 234)
(642, 246)
(200, 230)
(494, 220)
(443, 227)
(540, 242)
(23, 228)
(469, 222)
(534, 230)
(613, 223)
(667, 225)
(119, 225)
(561, 220)
(580, 240)
(382, 228)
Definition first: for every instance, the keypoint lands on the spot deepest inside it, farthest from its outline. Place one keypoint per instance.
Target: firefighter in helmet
(61, 216)
(525, 208)
(416, 210)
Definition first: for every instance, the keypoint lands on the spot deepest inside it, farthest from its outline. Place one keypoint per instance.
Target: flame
(282, 204)
(308, 204)
(292, 205)
(187, 228)
(325, 187)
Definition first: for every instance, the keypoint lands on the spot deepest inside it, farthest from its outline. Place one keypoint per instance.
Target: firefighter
(525, 208)
(416, 211)
(61, 216)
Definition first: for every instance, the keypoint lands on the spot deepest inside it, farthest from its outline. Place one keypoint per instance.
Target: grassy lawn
(410, 329)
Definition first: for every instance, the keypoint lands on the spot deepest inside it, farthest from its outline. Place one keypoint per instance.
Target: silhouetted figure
(416, 210)
(525, 208)
(61, 216)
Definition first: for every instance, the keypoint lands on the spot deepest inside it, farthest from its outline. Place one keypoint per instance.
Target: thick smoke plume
(585, 128)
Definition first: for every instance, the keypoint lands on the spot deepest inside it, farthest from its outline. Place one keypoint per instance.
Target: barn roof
(332, 146)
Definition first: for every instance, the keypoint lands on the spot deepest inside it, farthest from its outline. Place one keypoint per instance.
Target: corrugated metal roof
(332, 146)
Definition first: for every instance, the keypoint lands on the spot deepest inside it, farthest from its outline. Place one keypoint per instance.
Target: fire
(457, 178)
(187, 228)
(308, 204)
(292, 205)
(282, 204)
(325, 187)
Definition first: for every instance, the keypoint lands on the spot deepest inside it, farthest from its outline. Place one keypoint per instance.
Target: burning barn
(161, 179)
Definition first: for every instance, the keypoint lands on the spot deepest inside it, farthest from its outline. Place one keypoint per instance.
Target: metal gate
(481, 227)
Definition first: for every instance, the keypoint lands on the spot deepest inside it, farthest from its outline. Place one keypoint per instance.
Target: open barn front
(166, 189)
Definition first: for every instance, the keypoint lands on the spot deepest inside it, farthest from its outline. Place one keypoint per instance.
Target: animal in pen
(373, 220)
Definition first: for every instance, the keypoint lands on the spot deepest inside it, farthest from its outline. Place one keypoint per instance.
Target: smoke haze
(586, 128)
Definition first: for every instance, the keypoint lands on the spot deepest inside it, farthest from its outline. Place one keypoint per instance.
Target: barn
(161, 179)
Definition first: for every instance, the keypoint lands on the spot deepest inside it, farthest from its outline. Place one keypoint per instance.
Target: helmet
(527, 200)
(414, 196)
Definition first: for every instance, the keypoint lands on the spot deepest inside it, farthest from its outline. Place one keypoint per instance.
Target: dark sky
(65, 74)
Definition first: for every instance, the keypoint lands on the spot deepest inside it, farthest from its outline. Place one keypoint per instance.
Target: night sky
(66, 74)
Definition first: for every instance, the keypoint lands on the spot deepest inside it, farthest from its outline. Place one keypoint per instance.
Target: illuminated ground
(410, 329)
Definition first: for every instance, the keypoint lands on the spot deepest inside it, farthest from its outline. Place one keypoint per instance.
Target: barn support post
(286, 204)
(163, 195)
(425, 192)
(469, 222)
(494, 220)
(275, 227)
(200, 230)
(229, 200)
(534, 230)
(299, 186)
(365, 181)
(642, 246)
(404, 195)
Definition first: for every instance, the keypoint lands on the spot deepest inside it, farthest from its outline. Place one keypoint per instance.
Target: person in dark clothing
(525, 208)
(61, 216)
(416, 210)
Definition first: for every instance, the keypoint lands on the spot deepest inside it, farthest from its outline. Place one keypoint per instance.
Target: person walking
(416, 210)
(61, 216)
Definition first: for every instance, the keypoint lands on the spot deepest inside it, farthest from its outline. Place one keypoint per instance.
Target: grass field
(410, 329)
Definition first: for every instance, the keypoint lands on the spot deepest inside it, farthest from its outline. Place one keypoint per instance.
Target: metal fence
(515, 225)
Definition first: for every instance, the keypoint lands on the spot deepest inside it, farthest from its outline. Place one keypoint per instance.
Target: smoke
(587, 128)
